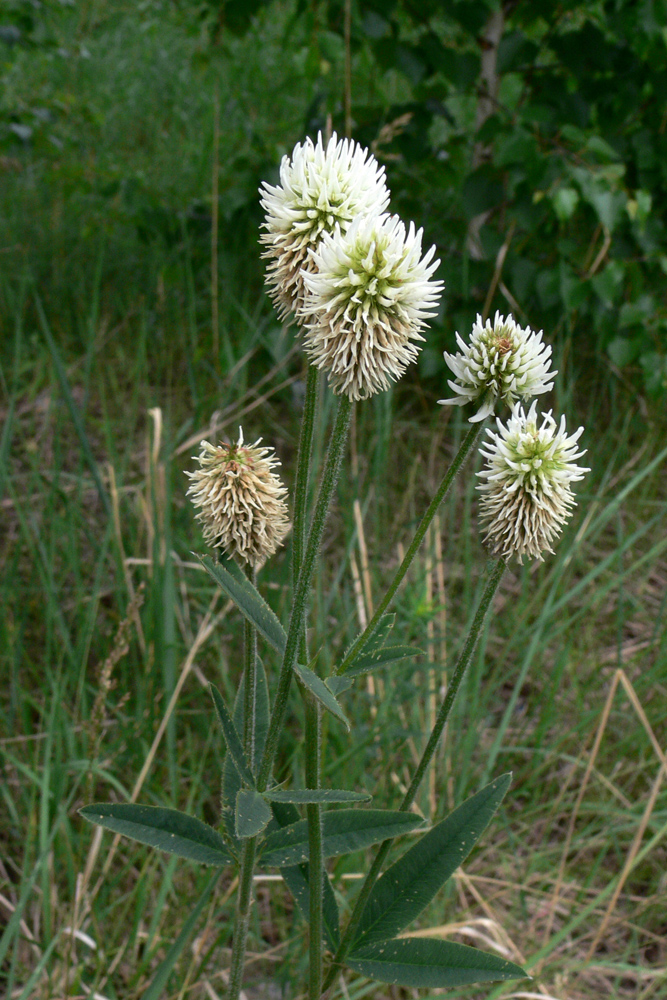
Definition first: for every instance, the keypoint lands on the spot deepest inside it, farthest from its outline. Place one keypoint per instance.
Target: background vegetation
(529, 141)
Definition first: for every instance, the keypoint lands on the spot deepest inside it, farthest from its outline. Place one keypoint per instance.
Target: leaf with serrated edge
(165, 829)
(344, 831)
(252, 813)
(400, 895)
(430, 963)
(249, 601)
(232, 739)
(319, 690)
(296, 880)
(304, 796)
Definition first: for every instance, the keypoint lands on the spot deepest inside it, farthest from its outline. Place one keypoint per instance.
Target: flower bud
(526, 494)
(240, 500)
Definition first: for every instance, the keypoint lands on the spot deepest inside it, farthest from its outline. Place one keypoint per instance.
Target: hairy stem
(250, 682)
(315, 848)
(248, 856)
(242, 918)
(300, 597)
(441, 493)
(313, 747)
(427, 756)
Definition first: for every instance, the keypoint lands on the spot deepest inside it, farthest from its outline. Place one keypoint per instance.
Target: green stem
(303, 472)
(315, 847)
(299, 601)
(313, 747)
(250, 682)
(249, 848)
(242, 918)
(443, 490)
(427, 756)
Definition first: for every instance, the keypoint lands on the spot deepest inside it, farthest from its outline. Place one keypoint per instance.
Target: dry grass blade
(621, 678)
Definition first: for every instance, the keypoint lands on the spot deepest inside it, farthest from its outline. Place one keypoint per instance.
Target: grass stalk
(426, 758)
(442, 491)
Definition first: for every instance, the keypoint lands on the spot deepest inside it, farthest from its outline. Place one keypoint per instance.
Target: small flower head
(367, 297)
(240, 500)
(526, 490)
(503, 361)
(321, 189)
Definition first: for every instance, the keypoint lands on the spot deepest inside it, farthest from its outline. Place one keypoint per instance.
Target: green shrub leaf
(248, 600)
(400, 895)
(345, 831)
(430, 963)
(167, 829)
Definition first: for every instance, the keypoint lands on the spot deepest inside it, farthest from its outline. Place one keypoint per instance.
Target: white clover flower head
(503, 361)
(240, 500)
(321, 188)
(367, 298)
(526, 494)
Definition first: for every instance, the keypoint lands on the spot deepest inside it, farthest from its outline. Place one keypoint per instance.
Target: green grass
(101, 325)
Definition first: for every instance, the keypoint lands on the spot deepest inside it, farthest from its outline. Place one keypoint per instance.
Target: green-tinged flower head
(240, 500)
(526, 490)
(368, 296)
(502, 361)
(322, 188)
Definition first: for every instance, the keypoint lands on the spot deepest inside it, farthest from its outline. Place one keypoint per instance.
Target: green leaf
(303, 796)
(252, 813)
(232, 739)
(248, 600)
(381, 633)
(338, 684)
(167, 829)
(345, 830)
(431, 963)
(401, 894)
(296, 880)
(262, 713)
(565, 201)
(366, 661)
(231, 781)
(319, 690)
(623, 350)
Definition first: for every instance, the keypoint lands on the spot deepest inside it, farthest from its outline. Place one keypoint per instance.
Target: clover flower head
(502, 361)
(526, 492)
(367, 298)
(239, 499)
(321, 188)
